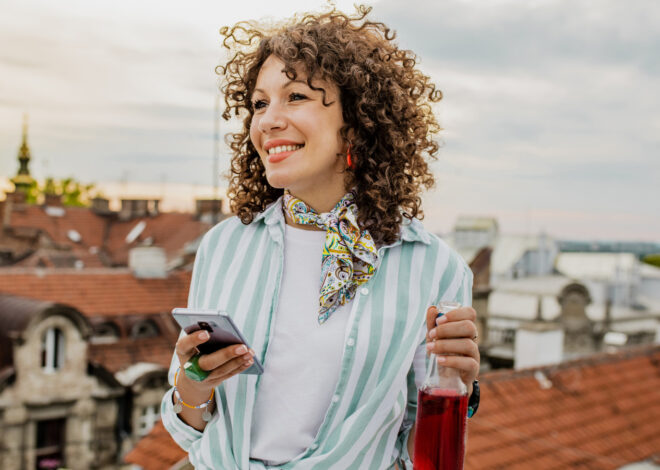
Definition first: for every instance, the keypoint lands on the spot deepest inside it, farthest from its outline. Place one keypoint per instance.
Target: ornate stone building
(83, 363)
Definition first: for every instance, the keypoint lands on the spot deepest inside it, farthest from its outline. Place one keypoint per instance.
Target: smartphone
(222, 331)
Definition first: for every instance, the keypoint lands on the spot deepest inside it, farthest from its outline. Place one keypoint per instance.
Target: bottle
(441, 415)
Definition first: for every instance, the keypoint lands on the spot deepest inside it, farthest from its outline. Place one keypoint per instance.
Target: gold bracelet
(206, 416)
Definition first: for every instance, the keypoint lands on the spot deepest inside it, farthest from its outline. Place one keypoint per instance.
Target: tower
(23, 180)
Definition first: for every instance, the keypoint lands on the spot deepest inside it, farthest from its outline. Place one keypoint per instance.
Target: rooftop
(599, 412)
(102, 291)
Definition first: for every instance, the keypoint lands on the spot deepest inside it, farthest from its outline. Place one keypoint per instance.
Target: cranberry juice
(440, 430)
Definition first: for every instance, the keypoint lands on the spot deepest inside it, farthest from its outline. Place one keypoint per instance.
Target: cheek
(254, 133)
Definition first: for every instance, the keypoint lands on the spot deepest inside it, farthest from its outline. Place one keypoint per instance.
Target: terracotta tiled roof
(99, 291)
(105, 235)
(156, 451)
(601, 413)
(168, 230)
(129, 351)
(90, 226)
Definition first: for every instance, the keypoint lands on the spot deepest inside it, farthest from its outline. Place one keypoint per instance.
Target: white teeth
(283, 148)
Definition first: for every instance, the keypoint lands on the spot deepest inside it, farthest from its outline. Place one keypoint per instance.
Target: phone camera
(205, 326)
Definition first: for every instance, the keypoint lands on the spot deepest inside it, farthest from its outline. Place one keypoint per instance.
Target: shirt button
(335, 398)
(364, 291)
(350, 342)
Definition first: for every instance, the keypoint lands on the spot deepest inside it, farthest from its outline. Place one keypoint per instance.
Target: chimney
(538, 344)
(148, 262)
(208, 210)
(134, 208)
(101, 206)
(53, 200)
(17, 197)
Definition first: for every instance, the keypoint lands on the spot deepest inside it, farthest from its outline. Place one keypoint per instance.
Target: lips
(279, 149)
(278, 157)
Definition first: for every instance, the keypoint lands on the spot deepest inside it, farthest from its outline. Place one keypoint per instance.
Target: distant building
(54, 236)
(83, 363)
(545, 306)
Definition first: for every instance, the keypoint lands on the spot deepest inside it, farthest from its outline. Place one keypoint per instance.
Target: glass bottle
(441, 415)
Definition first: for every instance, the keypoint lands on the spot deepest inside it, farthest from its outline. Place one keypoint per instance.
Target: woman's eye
(297, 97)
(258, 104)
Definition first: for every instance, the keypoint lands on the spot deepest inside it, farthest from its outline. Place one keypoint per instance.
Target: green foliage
(653, 260)
(72, 192)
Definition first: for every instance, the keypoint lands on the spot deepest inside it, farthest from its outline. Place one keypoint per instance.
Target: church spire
(23, 180)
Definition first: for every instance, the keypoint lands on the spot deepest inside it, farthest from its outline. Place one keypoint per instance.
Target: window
(50, 443)
(107, 332)
(52, 350)
(148, 418)
(145, 329)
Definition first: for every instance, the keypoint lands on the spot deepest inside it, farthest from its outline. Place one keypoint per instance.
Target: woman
(325, 181)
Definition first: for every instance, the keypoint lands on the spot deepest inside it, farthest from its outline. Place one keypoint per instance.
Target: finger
(230, 368)
(221, 356)
(456, 329)
(463, 313)
(468, 367)
(186, 345)
(431, 314)
(461, 347)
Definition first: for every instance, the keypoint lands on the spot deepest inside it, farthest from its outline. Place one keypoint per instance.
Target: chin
(279, 181)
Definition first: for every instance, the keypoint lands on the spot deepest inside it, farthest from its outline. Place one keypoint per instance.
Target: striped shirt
(238, 269)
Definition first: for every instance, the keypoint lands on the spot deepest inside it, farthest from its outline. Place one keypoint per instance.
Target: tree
(653, 260)
(72, 192)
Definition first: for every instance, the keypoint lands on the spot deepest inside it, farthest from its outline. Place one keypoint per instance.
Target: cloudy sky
(551, 114)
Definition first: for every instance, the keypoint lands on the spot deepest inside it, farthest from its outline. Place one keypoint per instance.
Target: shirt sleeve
(183, 434)
(417, 372)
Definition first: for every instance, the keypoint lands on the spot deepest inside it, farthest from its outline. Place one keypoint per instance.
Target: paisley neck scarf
(349, 255)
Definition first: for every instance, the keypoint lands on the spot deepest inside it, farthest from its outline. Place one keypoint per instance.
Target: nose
(272, 118)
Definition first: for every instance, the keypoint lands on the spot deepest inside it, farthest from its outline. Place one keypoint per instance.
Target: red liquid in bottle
(440, 430)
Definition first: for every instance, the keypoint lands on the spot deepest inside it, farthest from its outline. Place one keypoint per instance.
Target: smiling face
(297, 136)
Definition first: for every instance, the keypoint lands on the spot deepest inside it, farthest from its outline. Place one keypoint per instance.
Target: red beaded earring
(349, 158)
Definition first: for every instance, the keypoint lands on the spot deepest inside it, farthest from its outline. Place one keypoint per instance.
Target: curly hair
(386, 106)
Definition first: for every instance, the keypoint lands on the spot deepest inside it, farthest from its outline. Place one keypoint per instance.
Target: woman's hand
(453, 339)
(223, 364)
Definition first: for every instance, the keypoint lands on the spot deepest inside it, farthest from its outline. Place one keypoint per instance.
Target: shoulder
(434, 247)
(229, 232)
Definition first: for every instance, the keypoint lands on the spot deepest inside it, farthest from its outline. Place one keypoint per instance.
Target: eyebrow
(287, 84)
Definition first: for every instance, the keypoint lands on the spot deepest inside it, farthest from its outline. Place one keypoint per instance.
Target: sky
(550, 115)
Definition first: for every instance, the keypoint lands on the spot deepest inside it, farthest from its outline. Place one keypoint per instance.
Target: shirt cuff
(182, 433)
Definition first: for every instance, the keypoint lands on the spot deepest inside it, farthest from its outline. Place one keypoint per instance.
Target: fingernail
(441, 319)
(429, 346)
(241, 349)
(441, 358)
(432, 333)
(203, 335)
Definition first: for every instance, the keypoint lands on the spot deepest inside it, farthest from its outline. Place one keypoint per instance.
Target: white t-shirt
(303, 360)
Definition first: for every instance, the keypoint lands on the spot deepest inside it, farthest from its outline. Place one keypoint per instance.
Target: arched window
(52, 350)
(145, 329)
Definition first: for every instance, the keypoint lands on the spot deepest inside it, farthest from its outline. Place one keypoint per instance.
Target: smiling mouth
(283, 148)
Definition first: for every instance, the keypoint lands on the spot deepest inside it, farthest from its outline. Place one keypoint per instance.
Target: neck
(320, 202)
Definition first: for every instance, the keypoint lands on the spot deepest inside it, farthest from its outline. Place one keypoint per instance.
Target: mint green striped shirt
(238, 269)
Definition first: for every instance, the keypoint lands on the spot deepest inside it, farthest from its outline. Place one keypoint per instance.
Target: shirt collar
(273, 217)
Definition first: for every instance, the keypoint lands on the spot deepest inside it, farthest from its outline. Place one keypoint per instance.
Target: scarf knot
(349, 254)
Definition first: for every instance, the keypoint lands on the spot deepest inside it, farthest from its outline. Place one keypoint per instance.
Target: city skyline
(547, 116)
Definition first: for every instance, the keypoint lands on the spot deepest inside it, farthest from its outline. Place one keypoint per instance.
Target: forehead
(272, 71)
